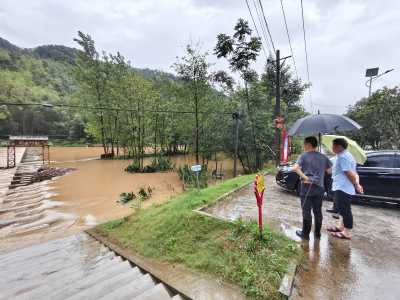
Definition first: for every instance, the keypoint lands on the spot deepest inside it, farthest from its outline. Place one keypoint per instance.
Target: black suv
(379, 176)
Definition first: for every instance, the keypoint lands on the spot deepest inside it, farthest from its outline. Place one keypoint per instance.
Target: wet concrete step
(44, 257)
(53, 283)
(132, 289)
(24, 189)
(88, 282)
(27, 197)
(22, 220)
(52, 258)
(43, 281)
(52, 273)
(18, 208)
(76, 267)
(105, 287)
(49, 247)
(158, 292)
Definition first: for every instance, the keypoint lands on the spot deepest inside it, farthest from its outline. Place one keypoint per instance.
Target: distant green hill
(66, 54)
(149, 73)
(57, 53)
(40, 75)
(4, 44)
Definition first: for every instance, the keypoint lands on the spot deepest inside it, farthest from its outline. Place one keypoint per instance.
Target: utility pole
(278, 105)
(370, 84)
(237, 117)
(278, 109)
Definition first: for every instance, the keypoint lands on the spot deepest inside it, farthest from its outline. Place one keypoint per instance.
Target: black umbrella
(323, 123)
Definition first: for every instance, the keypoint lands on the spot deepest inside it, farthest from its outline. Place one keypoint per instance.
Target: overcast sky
(344, 37)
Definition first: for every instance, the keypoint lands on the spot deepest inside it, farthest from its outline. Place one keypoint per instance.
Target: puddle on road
(85, 197)
(366, 267)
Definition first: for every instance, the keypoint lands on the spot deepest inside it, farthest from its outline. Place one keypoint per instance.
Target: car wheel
(298, 187)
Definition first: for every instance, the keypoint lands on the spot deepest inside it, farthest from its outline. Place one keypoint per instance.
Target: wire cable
(305, 47)
(291, 50)
(287, 31)
(256, 28)
(262, 26)
(115, 109)
(326, 105)
(267, 25)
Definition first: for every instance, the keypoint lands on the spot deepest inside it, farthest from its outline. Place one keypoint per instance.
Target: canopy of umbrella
(353, 148)
(323, 123)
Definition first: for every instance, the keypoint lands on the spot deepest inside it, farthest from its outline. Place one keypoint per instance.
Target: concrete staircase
(76, 267)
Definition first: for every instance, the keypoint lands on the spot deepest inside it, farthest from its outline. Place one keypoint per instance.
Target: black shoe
(300, 234)
(305, 233)
(317, 227)
(336, 216)
(331, 210)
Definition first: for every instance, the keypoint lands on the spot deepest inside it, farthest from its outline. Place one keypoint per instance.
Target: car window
(379, 161)
(397, 162)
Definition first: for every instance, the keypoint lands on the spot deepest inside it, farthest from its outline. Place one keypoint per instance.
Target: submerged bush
(126, 197)
(157, 164)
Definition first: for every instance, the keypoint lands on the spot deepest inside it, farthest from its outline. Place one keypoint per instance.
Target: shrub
(126, 197)
(157, 164)
(191, 177)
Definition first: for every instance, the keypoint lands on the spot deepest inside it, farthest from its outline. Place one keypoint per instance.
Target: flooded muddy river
(84, 197)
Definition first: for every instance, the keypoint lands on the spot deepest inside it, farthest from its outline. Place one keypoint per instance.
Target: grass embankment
(231, 251)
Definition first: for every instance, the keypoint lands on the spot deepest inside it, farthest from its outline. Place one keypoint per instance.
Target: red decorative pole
(259, 192)
(285, 146)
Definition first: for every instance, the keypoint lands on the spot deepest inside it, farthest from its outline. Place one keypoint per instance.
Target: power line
(256, 28)
(116, 109)
(262, 26)
(267, 25)
(287, 31)
(305, 47)
(326, 105)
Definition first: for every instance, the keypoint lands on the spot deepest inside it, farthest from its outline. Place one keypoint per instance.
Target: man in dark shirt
(311, 167)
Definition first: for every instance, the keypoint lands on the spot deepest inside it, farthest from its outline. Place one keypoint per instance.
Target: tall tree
(197, 79)
(379, 115)
(240, 51)
(96, 77)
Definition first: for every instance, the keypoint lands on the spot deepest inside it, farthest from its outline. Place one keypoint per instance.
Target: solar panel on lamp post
(370, 73)
(373, 73)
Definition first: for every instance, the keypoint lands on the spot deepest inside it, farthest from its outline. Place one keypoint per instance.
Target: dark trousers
(311, 198)
(335, 205)
(344, 203)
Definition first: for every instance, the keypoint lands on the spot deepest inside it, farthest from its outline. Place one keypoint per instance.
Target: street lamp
(373, 73)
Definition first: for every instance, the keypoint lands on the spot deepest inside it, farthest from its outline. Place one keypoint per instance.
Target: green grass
(269, 169)
(233, 252)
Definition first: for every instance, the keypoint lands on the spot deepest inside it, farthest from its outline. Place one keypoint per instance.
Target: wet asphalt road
(365, 267)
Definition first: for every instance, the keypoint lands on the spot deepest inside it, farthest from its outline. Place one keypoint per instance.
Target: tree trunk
(252, 127)
(197, 129)
(155, 138)
(102, 133)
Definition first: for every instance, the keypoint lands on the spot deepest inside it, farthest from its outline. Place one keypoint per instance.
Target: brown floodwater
(85, 197)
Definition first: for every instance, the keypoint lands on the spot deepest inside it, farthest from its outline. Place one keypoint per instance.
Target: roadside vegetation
(233, 252)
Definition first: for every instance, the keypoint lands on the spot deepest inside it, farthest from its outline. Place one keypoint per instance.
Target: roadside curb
(288, 279)
(230, 193)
